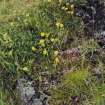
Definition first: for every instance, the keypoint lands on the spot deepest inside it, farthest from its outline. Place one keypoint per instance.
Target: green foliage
(76, 77)
(73, 84)
(32, 35)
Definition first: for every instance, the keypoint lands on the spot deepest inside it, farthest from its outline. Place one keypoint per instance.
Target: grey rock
(37, 102)
(26, 91)
(28, 94)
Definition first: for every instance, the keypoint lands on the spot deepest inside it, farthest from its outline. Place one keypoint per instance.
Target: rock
(26, 91)
(37, 102)
(28, 94)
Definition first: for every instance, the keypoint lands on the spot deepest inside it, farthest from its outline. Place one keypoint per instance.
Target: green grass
(15, 45)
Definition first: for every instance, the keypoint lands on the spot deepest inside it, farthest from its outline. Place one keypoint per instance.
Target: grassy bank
(35, 37)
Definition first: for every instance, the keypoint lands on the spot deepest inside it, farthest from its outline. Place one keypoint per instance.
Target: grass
(23, 50)
(15, 45)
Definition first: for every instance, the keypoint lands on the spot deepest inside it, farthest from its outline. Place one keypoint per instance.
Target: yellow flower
(69, 12)
(56, 61)
(63, 8)
(56, 53)
(57, 24)
(45, 52)
(72, 6)
(12, 23)
(33, 48)
(42, 34)
(60, 25)
(49, 1)
(25, 69)
(66, 9)
(72, 12)
(42, 42)
(60, 1)
(52, 39)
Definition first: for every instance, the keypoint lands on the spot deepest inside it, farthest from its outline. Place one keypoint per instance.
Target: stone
(28, 94)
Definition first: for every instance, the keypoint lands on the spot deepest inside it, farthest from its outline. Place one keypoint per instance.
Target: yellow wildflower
(56, 61)
(60, 1)
(12, 23)
(72, 12)
(25, 69)
(63, 8)
(69, 12)
(42, 42)
(72, 6)
(45, 52)
(52, 39)
(42, 34)
(57, 24)
(60, 25)
(33, 48)
(49, 1)
(66, 9)
(56, 53)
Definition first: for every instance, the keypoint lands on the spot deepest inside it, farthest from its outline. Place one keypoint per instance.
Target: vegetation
(39, 36)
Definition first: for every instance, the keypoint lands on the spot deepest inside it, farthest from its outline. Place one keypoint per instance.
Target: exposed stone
(28, 95)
